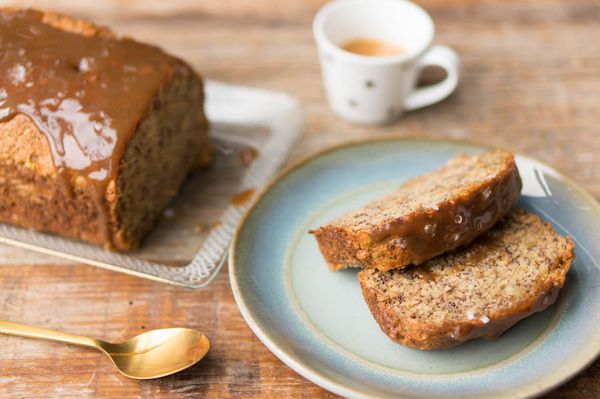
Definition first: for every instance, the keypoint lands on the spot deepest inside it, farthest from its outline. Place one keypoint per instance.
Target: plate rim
(306, 371)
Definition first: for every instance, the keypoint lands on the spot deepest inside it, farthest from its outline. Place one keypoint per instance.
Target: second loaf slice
(514, 270)
(426, 216)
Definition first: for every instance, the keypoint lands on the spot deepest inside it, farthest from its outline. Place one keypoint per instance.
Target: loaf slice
(426, 216)
(514, 270)
(97, 132)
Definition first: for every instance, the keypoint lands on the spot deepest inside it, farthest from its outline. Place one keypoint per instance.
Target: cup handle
(444, 57)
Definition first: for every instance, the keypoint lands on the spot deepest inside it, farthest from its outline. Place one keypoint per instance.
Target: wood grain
(530, 82)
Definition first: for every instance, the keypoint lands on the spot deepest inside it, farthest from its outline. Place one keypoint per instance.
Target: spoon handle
(23, 330)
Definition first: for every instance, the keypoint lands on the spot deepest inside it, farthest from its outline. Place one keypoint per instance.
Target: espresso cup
(379, 89)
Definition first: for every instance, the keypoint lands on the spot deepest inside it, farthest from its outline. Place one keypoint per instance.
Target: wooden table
(531, 82)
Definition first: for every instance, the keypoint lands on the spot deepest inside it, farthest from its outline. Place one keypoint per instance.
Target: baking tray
(252, 130)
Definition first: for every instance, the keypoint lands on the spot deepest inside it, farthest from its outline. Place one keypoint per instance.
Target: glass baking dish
(252, 130)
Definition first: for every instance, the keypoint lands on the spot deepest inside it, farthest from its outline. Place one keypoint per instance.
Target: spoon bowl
(157, 353)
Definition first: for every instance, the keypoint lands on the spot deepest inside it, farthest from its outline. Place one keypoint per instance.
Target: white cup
(379, 89)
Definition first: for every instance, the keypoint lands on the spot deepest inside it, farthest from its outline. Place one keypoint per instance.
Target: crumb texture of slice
(514, 270)
(426, 216)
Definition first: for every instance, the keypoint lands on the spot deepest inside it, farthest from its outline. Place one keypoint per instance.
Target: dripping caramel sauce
(454, 224)
(86, 94)
(243, 197)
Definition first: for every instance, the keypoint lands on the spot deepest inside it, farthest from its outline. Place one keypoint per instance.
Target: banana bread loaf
(426, 216)
(97, 132)
(514, 270)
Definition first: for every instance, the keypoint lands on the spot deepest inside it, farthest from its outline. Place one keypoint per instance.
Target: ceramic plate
(317, 322)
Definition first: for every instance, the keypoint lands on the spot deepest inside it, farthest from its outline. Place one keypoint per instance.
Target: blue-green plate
(317, 322)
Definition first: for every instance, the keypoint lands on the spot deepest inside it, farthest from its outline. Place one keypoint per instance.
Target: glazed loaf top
(97, 132)
(85, 91)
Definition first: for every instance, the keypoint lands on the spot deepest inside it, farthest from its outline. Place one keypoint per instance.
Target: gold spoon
(152, 354)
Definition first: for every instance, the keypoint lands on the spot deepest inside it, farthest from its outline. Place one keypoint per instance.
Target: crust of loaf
(344, 247)
(33, 195)
(428, 335)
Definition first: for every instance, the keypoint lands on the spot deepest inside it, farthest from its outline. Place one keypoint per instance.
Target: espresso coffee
(372, 47)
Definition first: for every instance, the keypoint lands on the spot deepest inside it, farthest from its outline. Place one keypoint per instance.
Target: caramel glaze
(434, 231)
(492, 329)
(243, 197)
(425, 274)
(86, 94)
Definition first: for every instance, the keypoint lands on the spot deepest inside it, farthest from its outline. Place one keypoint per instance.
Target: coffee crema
(372, 47)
